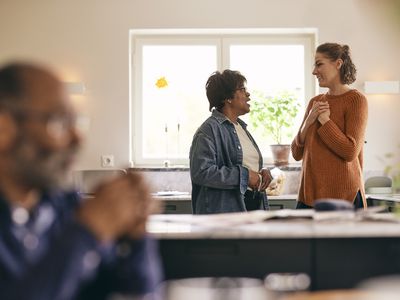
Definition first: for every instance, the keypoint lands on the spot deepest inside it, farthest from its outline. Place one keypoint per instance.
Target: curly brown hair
(336, 51)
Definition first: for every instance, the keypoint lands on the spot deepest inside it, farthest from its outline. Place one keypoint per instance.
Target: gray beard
(42, 170)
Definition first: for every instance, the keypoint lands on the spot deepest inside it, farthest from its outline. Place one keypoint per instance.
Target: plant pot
(280, 154)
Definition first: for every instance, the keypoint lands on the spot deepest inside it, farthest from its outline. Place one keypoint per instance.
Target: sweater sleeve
(297, 148)
(347, 144)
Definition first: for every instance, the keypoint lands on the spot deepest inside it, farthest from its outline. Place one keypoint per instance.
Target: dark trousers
(301, 205)
(252, 200)
(358, 203)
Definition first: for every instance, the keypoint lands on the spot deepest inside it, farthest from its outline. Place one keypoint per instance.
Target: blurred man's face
(47, 143)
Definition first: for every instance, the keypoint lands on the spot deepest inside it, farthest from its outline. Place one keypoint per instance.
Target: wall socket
(107, 160)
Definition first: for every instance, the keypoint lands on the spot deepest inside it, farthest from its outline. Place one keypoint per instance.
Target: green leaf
(274, 114)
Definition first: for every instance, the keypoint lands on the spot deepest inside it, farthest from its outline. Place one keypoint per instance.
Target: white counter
(262, 225)
(187, 196)
(384, 197)
(335, 253)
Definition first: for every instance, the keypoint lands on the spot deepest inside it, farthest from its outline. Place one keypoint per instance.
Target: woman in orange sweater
(331, 137)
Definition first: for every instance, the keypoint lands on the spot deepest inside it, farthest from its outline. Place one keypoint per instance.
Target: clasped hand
(260, 181)
(319, 111)
(120, 208)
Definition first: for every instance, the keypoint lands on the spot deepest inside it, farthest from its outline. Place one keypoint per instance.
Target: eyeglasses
(57, 126)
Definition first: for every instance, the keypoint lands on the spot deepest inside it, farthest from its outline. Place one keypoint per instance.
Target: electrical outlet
(107, 160)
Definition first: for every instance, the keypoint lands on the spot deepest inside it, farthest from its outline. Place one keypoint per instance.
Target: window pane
(172, 112)
(165, 118)
(270, 70)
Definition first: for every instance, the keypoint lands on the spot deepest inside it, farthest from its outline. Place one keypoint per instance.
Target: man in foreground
(52, 244)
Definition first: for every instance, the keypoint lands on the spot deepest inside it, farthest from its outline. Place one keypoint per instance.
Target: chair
(85, 181)
(378, 185)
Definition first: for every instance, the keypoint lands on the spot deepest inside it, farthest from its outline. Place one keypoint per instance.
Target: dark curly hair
(335, 51)
(222, 86)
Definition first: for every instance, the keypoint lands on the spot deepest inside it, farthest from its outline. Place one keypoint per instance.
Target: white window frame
(222, 38)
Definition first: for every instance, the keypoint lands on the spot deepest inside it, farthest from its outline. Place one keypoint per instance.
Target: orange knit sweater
(332, 153)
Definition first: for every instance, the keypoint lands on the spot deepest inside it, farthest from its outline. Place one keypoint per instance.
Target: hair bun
(346, 49)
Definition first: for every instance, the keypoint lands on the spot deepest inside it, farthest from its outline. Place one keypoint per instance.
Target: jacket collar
(221, 118)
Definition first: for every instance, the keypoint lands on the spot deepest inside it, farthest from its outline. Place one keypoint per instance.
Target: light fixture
(75, 88)
(382, 87)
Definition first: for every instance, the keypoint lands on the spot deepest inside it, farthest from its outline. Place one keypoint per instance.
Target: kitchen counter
(284, 224)
(180, 202)
(182, 196)
(391, 201)
(336, 253)
(384, 197)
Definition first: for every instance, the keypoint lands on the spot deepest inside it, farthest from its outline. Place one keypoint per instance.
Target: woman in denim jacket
(225, 161)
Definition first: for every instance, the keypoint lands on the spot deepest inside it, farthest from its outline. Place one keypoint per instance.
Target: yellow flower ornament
(161, 82)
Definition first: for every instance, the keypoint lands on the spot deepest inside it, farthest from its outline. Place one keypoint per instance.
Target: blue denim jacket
(219, 180)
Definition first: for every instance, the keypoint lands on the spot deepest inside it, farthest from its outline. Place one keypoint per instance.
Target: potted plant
(392, 169)
(275, 116)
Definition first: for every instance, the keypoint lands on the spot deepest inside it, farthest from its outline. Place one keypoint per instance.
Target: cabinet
(343, 263)
(183, 204)
(174, 206)
(282, 202)
(338, 263)
(183, 258)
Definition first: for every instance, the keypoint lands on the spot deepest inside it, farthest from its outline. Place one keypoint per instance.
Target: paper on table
(258, 216)
(231, 219)
(170, 193)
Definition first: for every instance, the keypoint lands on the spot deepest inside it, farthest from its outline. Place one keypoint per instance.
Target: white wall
(88, 41)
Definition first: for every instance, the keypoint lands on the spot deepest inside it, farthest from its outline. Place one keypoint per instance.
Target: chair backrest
(85, 181)
(378, 184)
